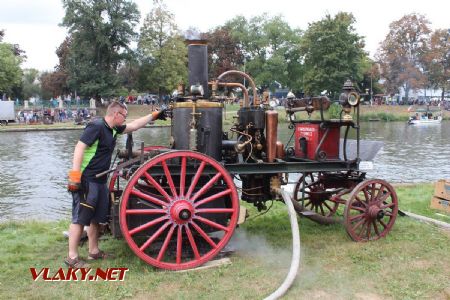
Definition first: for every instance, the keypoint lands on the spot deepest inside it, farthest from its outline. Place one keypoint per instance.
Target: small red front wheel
(371, 210)
(179, 210)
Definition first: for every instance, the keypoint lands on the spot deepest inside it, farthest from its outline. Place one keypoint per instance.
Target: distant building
(423, 94)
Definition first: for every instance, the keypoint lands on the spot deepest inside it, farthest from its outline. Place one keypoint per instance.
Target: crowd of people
(52, 115)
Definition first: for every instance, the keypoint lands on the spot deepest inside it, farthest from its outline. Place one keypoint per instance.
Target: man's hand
(74, 182)
(160, 114)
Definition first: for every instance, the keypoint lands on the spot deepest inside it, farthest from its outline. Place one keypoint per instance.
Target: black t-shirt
(101, 140)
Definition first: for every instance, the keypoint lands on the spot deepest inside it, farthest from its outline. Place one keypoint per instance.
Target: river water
(34, 165)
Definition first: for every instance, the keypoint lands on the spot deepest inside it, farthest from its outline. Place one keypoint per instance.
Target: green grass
(412, 262)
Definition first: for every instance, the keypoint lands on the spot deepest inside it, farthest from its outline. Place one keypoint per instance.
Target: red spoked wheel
(371, 210)
(182, 216)
(313, 199)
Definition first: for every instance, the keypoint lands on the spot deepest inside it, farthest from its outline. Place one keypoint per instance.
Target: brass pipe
(235, 84)
(252, 83)
(241, 146)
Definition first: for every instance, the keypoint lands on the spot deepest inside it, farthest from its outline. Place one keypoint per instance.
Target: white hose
(295, 262)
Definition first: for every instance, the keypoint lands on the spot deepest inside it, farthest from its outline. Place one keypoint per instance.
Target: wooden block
(441, 204)
(210, 264)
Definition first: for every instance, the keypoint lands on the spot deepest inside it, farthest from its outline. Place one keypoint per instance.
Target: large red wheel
(313, 198)
(371, 210)
(183, 218)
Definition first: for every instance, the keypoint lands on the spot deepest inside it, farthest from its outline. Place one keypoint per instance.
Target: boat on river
(425, 116)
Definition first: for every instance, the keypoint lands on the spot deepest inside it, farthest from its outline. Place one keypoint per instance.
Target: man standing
(92, 156)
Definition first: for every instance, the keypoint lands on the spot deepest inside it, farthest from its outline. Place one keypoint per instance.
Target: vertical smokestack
(198, 64)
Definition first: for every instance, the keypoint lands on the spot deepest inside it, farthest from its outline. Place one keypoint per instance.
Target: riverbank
(367, 114)
(412, 262)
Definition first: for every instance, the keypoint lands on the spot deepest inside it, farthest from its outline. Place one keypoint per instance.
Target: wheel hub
(181, 211)
(375, 212)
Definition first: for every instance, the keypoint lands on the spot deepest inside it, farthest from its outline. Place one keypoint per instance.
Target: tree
(270, 48)
(31, 86)
(401, 53)
(100, 32)
(437, 60)
(55, 83)
(224, 52)
(162, 50)
(10, 71)
(332, 52)
(128, 74)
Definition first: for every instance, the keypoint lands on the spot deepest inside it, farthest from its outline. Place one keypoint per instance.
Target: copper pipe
(271, 134)
(234, 84)
(252, 83)
(280, 153)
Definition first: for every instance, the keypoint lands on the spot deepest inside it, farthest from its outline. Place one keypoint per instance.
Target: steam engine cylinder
(208, 127)
(253, 116)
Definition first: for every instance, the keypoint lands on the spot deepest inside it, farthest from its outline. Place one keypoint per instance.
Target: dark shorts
(91, 204)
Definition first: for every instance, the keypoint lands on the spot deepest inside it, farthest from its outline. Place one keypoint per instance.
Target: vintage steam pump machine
(177, 206)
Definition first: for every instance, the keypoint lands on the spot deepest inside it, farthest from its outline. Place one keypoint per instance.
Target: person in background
(92, 155)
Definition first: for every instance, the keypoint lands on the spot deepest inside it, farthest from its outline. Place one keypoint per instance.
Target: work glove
(160, 114)
(74, 182)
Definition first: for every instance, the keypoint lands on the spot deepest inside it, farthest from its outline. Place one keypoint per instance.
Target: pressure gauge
(353, 99)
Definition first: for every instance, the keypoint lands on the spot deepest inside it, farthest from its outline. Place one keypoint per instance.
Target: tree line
(96, 58)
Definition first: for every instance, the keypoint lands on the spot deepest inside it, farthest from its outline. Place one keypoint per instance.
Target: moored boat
(425, 116)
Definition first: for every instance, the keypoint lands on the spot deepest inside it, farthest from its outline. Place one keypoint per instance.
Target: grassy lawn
(412, 262)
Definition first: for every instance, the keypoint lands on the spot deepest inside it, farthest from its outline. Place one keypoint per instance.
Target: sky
(34, 24)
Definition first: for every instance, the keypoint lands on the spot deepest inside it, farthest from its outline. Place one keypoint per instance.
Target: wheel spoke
(157, 186)
(382, 223)
(359, 224)
(148, 198)
(214, 210)
(359, 200)
(321, 209)
(212, 197)
(147, 225)
(154, 236)
(182, 175)
(372, 192)
(211, 223)
(196, 178)
(192, 242)
(163, 249)
(383, 198)
(380, 193)
(388, 205)
(357, 208)
(326, 204)
(169, 179)
(362, 228)
(207, 186)
(369, 227)
(179, 244)
(309, 203)
(354, 218)
(204, 235)
(366, 194)
(375, 227)
(144, 211)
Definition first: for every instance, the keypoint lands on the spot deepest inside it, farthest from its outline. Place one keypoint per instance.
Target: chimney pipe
(198, 64)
